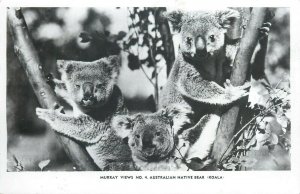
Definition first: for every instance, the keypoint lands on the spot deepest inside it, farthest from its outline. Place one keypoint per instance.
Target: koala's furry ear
(179, 114)
(176, 19)
(227, 17)
(122, 124)
(65, 66)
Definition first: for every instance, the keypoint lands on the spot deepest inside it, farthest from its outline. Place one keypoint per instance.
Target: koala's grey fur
(201, 67)
(89, 87)
(158, 140)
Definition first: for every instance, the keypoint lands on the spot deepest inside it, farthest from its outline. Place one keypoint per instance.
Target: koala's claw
(236, 91)
(265, 29)
(58, 108)
(227, 83)
(267, 24)
(245, 86)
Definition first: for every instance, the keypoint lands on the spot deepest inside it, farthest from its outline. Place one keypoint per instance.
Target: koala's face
(201, 36)
(89, 84)
(152, 137)
(202, 33)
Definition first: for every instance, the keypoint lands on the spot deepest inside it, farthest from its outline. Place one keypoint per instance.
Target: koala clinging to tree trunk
(158, 141)
(199, 70)
(89, 87)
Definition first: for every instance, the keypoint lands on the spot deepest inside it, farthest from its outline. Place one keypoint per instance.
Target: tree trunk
(30, 62)
(240, 70)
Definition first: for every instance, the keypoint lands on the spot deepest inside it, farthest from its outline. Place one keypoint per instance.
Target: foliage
(144, 43)
(264, 139)
(86, 40)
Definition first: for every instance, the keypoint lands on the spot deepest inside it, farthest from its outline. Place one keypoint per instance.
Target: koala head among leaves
(153, 137)
(89, 84)
(202, 32)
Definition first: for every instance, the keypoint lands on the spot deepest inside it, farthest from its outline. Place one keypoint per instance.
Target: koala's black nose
(147, 141)
(88, 88)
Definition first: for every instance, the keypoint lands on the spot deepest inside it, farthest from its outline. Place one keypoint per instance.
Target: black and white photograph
(148, 88)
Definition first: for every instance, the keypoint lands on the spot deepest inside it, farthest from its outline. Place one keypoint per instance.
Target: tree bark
(258, 66)
(166, 36)
(30, 62)
(240, 70)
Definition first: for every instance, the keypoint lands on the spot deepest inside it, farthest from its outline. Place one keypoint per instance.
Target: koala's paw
(264, 30)
(236, 92)
(197, 164)
(47, 115)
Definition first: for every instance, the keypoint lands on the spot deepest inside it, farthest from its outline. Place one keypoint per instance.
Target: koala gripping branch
(240, 70)
(30, 62)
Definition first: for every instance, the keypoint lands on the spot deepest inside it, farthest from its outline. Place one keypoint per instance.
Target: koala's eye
(212, 38)
(137, 136)
(189, 40)
(77, 86)
(157, 133)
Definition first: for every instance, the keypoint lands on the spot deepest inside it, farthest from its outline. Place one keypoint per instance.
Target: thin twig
(233, 138)
(142, 68)
(278, 83)
(153, 59)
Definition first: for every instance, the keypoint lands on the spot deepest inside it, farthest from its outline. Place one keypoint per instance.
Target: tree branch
(167, 39)
(240, 70)
(30, 62)
(258, 66)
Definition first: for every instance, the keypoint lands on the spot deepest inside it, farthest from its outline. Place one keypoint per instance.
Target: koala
(200, 68)
(89, 87)
(158, 140)
(202, 53)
